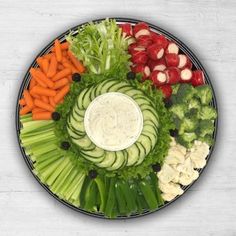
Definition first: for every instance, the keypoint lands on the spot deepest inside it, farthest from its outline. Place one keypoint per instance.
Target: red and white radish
(157, 65)
(159, 39)
(182, 61)
(134, 48)
(144, 70)
(198, 78)
(172, 59)
(186, 75)
(166, 90)
(141, 29)
(158, 78)
(173, 75)
(144, 41)
(189, 64)
(126, 29)
(155, 51)
(172, 48)
(139, 57)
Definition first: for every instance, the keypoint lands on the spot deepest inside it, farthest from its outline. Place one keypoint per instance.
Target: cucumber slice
(84, 143)
(86, 98)
(133, 154)
(120, 159)
(116, 87)
(80, 99)
(108, 160)
(95, 153)
(142, 153)
(107, 85)
(134, 92)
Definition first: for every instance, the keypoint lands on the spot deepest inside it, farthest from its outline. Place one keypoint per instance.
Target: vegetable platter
(116, 118)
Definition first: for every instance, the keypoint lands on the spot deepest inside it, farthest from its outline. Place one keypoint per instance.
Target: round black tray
(25, 83)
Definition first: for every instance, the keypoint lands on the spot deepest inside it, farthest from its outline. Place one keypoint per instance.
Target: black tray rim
(61, 37)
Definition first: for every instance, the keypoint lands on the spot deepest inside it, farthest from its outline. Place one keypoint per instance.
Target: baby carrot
(62, 93)
(79, 66)
(51, 101)
(37, 110)
(24, 110)
(32, 83)
(60, 67)
(43, 105)
(48, 56)
(45, 65)
(33, 73)
(61, 101)
(52, 69)
(43, 91)
(44, 78)
(60, 83)
(28, 99)
(61, 74)
(64, 53)
(39, 61)
(33, 94)
(45, 99)
(64, 46)
(58, 50)
(42, 116)
(22, 102)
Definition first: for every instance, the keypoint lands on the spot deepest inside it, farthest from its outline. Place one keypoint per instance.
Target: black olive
(174, 132)
(156, 167)
(56, 116)
(76, 77)
(65, 145)
(168, 102)
(93, 174)
(131, 75)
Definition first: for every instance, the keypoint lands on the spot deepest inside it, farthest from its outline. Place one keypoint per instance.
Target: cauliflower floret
(185, 167)
(175, 156)
(168, 196)
(171, 188)
(167, 173)
(186, 179)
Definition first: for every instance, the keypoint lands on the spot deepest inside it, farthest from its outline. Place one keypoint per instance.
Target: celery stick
(75, 195)
(44, 149)
(41, 167)
(39, 138)
(45, 156)
(58, 171)
(48, 171)
(36, 132)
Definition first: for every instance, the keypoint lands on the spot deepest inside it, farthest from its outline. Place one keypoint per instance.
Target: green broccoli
(175, 88)
(188, 125)
(207, 139)
(204, 93)
(205, 127)
(185, 93)
(179, 110)
(187, 139)
(194, 103)
(207, 113)
(192, 113)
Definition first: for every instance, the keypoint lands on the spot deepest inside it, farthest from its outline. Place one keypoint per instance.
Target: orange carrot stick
(48, 56)
(64, 46)
(37, 110)
(43, 91)
(51, 101)
(32, 83)
(45, 99)
(44, 78)
(60, 67)
(24, 110)
(62, 93)
(42, 116)
(43, 105)
(79, 66)
(52, 69)
(60, 83)
(33, 73)
(58, 50)
(45, 65)
(64, 53)
(39, 60)
(28, 99)
(61, 74)
(61, 101)
(22, 102)
(33, 94)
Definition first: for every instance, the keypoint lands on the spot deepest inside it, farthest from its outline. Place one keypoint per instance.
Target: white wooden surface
(208, 27)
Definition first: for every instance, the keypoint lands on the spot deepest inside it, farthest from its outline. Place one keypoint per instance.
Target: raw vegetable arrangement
(115, 119)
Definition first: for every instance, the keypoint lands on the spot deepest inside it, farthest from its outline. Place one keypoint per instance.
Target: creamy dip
(113, 121)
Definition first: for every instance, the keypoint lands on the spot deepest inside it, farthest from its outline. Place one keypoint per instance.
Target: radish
(182, 61)
(159, 39)
(141, 29)
(134, 48)
(144, 70)
(198, 78)
(139, 57)
(155, 51)
(144, 41)
(189, 64)
(126, 29)
(186, 75)
(172, 59)
(157, 65)
(158, 78)
(173, 75)
(166, 90)
(172, 48)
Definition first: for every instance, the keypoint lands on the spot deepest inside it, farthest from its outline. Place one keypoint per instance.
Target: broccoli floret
(179, 110)
(177, 122)
(175, 88)
(205, 127)
(192, 113)
(207, 139)
(188, 125)
(204, 93)
(187, 139)
(185, 92)
(194, 103)
(207, 113)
